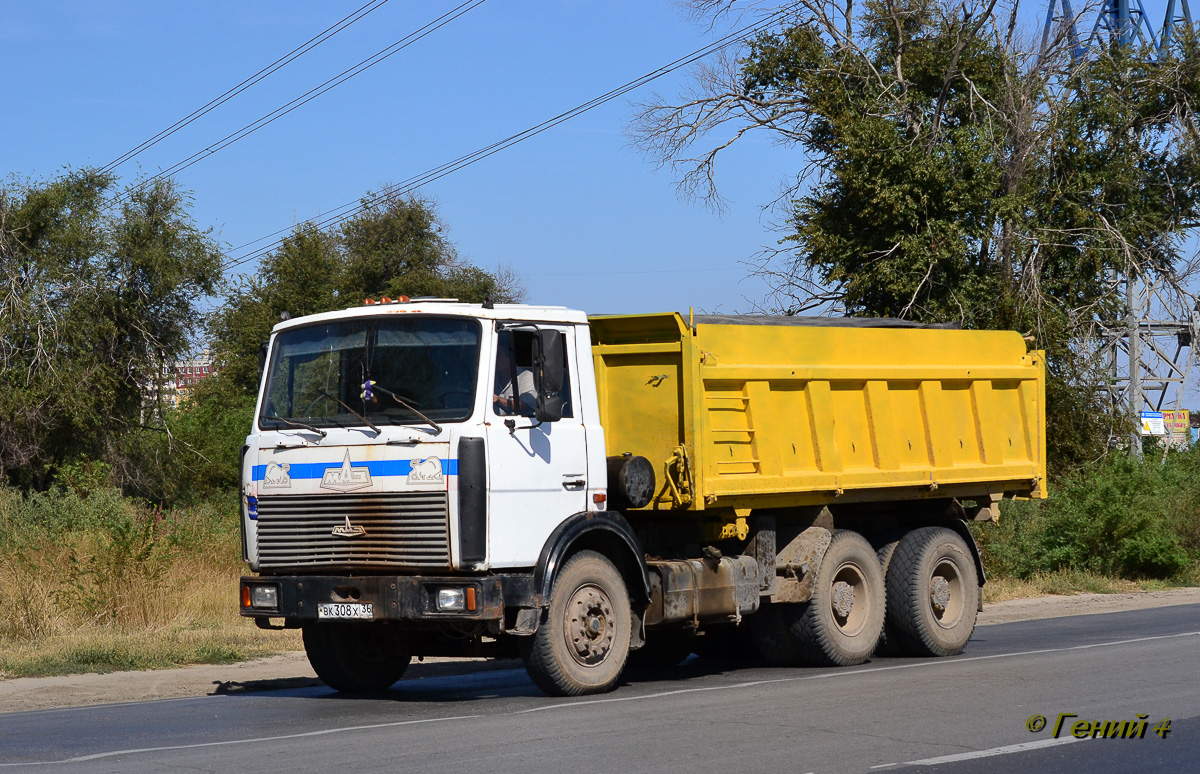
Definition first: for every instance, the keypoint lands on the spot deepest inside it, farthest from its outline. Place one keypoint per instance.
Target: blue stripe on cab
(307, 470)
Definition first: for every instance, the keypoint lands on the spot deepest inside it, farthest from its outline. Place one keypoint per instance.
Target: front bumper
(393, 598)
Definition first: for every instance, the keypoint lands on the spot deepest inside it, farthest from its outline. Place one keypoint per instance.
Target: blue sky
(581, 215)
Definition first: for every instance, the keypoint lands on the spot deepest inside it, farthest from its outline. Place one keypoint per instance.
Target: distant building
(172, 387)
(190, 372)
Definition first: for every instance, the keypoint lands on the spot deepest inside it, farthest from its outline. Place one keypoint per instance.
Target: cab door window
(513, 390)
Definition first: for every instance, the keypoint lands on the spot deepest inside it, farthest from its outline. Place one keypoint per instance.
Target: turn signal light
(245, 596)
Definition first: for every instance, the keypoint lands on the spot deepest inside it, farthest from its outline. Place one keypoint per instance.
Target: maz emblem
(426, 471)
(346, 478)
(276, 475)
(348, 529)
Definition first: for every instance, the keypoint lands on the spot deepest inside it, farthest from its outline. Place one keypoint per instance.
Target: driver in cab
(502, 398)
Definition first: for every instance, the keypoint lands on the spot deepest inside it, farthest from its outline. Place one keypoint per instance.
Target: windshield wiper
(342, 403)
(317, 430)
(371, 385)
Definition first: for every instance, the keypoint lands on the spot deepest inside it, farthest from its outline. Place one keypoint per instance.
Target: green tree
(100, 290)
(190, 453)
(957, 174)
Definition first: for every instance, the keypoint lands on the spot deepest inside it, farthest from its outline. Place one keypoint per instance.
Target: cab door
(537, 472)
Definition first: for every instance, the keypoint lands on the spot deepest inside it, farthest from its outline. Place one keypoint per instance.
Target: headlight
(451, 600)
(264, 596)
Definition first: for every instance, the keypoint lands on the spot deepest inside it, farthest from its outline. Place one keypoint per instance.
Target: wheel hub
(939, 594)
(590, 626)
(843, 599)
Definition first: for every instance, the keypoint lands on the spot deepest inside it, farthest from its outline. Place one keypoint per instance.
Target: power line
(632, 271)
(310, 95)
(350, 209)
(221, 99)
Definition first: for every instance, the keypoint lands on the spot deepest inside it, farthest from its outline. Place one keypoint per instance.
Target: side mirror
(262, 358)
(548, 375)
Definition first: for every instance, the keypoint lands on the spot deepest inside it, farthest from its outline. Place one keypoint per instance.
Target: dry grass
(108, 585)
(1000, 589)
(107, 649)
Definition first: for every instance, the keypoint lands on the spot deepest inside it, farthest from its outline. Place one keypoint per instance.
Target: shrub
(1120, 516)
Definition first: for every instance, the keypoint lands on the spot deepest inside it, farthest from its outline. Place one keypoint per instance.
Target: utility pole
(1134, 349)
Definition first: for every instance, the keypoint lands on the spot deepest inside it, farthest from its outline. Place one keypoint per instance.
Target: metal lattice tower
(1118, 23)
(1146, 357)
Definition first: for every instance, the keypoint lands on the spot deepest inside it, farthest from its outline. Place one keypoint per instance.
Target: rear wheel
(582, 643)
(932, 593)
(355, 658)
(770, 629)
(884, 553)
(842, 623)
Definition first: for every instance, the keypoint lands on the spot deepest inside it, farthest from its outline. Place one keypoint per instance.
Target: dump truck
(435, 478)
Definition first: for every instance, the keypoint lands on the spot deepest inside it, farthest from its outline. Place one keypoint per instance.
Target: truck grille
(402, 530)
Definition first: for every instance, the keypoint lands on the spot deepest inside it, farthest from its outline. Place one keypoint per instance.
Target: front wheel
(932, 592)
(355, 658)
(582, 643)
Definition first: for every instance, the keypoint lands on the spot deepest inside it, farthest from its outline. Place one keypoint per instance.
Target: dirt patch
(291, 670)
(1083, 604)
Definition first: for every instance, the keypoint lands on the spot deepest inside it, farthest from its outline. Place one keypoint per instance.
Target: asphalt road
(952, 716)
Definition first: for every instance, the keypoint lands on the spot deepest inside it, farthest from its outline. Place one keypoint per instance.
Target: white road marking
(644, 697)
(1008, 749)
(301, 735)
(850, 673)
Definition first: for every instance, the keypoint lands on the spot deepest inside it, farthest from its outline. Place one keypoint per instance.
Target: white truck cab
(364, 415)
(416, 473)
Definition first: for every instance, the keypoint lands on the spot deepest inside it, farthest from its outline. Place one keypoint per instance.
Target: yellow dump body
(770, 412)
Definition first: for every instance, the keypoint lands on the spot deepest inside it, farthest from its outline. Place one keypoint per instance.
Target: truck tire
(582, 643)
(842, 623)
(355, 657)
(884, 553)
(932, 593)
(770, 630)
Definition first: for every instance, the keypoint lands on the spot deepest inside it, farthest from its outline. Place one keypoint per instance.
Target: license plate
(346, 610)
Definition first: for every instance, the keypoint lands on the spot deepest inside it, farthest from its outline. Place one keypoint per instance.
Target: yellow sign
(1176, 421)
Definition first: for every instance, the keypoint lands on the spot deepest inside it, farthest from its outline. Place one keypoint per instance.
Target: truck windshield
(339, 373)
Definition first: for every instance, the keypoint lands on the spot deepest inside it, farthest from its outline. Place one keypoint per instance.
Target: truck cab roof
(443, 307)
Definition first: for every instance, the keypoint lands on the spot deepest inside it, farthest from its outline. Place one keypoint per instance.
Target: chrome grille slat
(404, 530)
